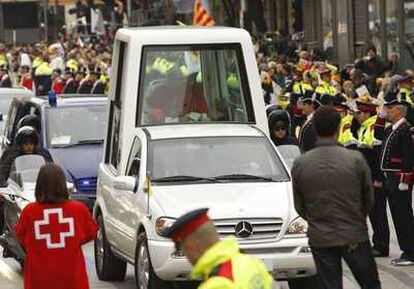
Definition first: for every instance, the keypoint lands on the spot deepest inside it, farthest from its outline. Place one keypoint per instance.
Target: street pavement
(391, 277)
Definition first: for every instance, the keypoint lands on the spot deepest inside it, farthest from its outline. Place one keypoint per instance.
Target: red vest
(52, 236)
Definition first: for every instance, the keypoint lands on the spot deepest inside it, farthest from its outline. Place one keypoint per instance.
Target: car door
(132, 205)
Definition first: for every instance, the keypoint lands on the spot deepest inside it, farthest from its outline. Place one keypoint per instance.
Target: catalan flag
(201, 16)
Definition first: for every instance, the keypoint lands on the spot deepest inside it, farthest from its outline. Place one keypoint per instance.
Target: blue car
(73, 130)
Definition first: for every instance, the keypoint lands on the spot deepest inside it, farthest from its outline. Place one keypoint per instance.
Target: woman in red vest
(52, 231)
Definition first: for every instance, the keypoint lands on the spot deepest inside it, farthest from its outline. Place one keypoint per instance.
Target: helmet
(29, 120)
(279, 116)
(272, 107)
(26, 134)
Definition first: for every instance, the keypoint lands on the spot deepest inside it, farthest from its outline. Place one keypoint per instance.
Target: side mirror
(125, 183)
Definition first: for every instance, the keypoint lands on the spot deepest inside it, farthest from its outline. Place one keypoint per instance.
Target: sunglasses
(279, 128)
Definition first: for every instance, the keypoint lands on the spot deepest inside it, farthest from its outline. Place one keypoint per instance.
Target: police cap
(186, 225)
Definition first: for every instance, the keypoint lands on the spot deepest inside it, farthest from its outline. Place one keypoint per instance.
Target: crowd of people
(374, 104)
(74, 64)
(366, 106)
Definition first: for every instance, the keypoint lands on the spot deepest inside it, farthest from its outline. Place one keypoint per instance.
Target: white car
(232, 169)
(187, 129)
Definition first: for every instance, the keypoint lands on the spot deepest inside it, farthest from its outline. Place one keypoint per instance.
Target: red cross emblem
(54, 228)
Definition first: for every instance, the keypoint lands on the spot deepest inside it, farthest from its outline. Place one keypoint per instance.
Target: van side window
(113, 149)
(134, 160)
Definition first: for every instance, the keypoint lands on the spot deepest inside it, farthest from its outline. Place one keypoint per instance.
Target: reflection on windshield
(70, 126)
(222, 158)
(27, 167)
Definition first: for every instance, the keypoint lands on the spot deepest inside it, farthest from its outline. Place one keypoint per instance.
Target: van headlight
(298, 226)
(162, 224)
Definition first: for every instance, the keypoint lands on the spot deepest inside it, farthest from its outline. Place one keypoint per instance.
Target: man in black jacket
(333, 192)
(307, 135)
(397, 163)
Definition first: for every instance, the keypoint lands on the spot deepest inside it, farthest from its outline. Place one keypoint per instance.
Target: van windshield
(193, 84)
(215, 158)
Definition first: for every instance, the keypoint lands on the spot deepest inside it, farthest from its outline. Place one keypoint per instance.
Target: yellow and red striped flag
(201, 16)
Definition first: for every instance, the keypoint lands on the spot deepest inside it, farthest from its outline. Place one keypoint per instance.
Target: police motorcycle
(288, 151)
(18, 193)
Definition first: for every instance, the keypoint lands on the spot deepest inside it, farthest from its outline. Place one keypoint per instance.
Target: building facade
(348, 27)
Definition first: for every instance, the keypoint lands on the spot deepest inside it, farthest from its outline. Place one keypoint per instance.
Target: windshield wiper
(184, 178)
(245, 177)
(90, 142)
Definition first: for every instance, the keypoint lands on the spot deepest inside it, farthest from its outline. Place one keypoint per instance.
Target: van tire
(143, 262)
(108, 266)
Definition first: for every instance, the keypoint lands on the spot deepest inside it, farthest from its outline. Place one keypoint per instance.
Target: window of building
(392, 29)
(374, 24)
(327, 25)
(409, 32)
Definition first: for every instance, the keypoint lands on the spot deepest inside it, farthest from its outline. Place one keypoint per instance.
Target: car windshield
(76, 125)
(215, 158)
(198, 83)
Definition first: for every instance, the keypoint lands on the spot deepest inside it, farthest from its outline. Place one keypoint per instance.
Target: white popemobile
(188, 129)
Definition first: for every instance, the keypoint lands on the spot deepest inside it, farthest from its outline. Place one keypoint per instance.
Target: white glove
(403, 187)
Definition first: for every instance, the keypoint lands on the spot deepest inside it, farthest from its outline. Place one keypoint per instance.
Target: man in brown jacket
(333, 191)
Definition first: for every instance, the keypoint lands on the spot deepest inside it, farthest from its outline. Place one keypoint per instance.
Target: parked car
(73, 131)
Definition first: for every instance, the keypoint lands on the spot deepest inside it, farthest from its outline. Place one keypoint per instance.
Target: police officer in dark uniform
(309, 103)
(71, 85)
(98, 86)
(397, 162)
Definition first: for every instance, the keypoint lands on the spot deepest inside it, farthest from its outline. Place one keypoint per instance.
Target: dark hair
(326, 121)
(51, 185)
(372, 48)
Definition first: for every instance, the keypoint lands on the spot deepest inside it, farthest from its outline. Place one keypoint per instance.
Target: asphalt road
(391, 277)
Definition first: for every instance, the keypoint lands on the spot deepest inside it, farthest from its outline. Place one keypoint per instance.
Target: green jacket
(246, 271)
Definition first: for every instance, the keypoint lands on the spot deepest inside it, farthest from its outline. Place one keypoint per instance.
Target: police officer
(308, 103)
(71, 85)
(345, 138)
(325, 87)
(363, 129)
(397, 162)
(219, 263)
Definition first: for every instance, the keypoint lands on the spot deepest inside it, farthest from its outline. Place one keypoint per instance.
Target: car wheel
(145, 276)
(108, 266)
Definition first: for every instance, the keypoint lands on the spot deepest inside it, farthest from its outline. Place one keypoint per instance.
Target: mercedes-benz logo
(243, 229)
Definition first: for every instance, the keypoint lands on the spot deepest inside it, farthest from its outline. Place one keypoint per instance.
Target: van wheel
(145, 276)
(108, 266)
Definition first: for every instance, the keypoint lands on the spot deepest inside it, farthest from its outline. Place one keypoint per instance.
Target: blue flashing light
(52, 98)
